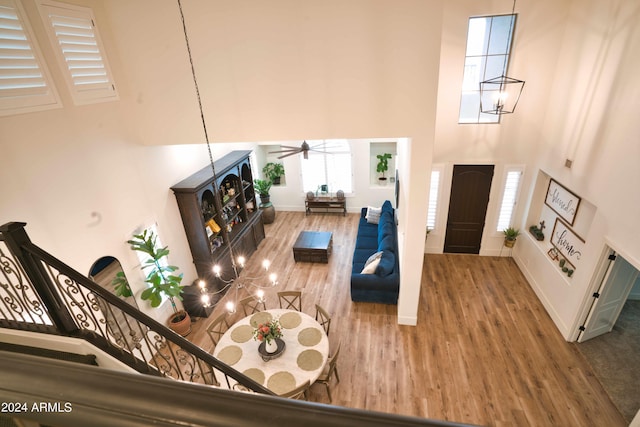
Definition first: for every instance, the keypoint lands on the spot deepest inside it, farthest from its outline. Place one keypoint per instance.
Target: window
(434, 192)
(25, 84)
(513, 176)
(329, 165)
(488, 48)
(77, 44)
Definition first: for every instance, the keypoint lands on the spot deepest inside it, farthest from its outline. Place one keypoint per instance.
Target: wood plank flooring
(484, 351)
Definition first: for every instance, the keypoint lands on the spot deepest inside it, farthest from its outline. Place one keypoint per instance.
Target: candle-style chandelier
(237, 264)
(237, 283)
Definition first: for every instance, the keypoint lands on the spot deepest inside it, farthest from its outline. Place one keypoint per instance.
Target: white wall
(590, 121)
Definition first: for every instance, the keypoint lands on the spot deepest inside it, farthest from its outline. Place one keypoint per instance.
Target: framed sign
(569, 244)
(562, 201)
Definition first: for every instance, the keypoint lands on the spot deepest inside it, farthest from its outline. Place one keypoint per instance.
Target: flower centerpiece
(268, 333)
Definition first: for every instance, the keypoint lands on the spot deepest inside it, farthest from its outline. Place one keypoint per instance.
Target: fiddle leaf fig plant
(383, 164)
(121, 285)
(160, 275)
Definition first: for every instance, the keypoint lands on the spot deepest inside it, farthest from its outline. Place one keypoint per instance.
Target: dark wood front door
(467, 208)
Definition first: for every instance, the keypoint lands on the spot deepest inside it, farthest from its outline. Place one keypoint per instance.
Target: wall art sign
(562, 201)
(569, 244)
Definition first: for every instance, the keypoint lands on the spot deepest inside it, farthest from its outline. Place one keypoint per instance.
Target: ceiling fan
(304, 149)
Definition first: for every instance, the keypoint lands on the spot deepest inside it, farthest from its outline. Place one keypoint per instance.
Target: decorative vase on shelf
(271, 346)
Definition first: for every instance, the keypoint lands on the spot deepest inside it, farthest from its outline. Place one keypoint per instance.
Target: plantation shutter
(434, 188)
(76, 40)
(511, 187)
(25, 84)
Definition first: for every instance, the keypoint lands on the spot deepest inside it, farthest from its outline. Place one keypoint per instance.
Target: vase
(271, 346)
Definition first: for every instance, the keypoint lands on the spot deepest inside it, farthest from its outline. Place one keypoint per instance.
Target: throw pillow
(373, 258)
(373, 215)
(372, 263)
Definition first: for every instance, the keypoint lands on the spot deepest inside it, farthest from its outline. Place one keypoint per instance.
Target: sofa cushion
(367, 242)
(386, 264)
(386, 207)
(385, 228)
(387, 244)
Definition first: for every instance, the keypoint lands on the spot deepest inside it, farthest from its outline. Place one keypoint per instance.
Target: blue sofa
(383, 285)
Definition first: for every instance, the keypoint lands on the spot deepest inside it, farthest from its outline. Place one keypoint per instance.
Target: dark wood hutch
(220, 216)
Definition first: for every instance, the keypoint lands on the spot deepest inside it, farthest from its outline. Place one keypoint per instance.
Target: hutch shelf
(220, 215)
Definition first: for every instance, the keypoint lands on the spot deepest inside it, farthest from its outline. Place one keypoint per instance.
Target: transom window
(488, 48)
(329, 165)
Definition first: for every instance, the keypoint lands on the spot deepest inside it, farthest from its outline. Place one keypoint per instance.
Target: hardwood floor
(484, 350)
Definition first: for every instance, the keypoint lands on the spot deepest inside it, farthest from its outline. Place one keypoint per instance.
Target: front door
(470, 189)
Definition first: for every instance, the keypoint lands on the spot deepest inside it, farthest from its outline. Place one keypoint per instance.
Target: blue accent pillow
(386, 264)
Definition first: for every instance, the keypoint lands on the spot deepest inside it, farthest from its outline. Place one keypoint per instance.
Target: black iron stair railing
(40, 293)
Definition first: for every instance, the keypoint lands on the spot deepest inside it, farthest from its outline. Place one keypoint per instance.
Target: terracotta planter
(180, 323)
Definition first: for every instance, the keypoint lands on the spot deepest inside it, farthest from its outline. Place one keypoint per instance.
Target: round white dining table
(305, 355)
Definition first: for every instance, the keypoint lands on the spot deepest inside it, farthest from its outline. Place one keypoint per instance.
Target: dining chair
(290, 300)
(298, 392)
(218, 327)
(330, 369)
(251, 305)
(323, 318)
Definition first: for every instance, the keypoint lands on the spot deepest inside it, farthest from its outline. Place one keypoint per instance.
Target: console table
(326, 203)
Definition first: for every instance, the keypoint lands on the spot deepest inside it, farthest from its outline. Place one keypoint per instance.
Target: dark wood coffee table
(313, 246)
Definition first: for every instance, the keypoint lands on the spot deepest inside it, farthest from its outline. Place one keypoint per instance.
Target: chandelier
(500, 95)
(237, 283)
(237, 264)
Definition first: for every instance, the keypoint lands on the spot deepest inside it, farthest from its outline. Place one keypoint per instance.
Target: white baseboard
(408, 320)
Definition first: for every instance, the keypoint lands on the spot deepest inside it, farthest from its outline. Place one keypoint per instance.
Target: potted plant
(262, 186)
(510, 235)
(161, 279)
(121, 285)
(383, 166)
(273, 172)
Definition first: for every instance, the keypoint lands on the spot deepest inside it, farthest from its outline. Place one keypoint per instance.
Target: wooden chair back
(323, 318)
(290, 300)
(298, 392)
(251, 305)
(218, 327)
